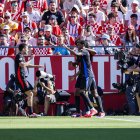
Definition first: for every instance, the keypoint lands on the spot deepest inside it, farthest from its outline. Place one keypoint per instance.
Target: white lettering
(4, 72)
(101, 60)
(113, 72)
(30, 77)
(66, 72)
(46, 61)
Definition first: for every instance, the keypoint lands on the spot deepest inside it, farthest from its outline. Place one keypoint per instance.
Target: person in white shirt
(134, 10)
(100, 16)
(33, 14)
(3, 43)
(68, 5)
(88, 36)
(31, 40)
(118, 14)
(105, 42)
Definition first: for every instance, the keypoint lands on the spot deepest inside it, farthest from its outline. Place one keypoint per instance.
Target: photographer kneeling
(136, 78)
(44, 91)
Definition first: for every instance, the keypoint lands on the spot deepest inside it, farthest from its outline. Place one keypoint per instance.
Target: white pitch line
(127, 120)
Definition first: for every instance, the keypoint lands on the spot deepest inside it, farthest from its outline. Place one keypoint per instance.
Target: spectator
(74, 10)
(74, 27)
(24, 40)
(3, 43)
(123, 5)
(105, 42)
(134, 22)
(113, 36)
(60, 50)
(49, 37)
(53, 11)
(15, 11)
(28, 33)
(134, 10)
(118, 15)
(27, 23)
(1, 15)
(100, 16)
(43, 50)
(39, 5)
(88, 36)
(130, 38)
(68, 39)
(95, 27)
(8, 21)
(6, 31)
(118, 28)
(103, 4)
(55, 27)
(68, 5)
(33, 15)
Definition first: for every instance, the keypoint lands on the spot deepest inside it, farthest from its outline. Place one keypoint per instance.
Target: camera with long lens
(45, 77)
(125, 61)
(119, 86)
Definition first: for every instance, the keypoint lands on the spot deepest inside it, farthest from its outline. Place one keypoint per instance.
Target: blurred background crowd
(54, 23)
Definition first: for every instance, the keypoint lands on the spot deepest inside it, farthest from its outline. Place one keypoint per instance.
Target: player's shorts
(24, 85)
(86, 83)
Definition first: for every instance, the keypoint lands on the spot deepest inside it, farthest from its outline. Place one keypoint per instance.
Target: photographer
(136, 79)
(129, 64)
(44, 92)
(10, 105)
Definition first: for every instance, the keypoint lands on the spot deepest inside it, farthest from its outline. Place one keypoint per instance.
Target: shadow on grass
(69, 134)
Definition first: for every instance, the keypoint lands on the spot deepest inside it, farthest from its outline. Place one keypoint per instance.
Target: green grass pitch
(67, 128)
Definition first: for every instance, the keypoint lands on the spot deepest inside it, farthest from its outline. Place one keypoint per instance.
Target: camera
(125, 60)
(120, 87)
(44, 75)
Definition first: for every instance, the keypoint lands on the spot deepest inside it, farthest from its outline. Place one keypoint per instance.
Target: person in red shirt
(95, 27)
(1, 14)
(114, 37)
(15, 11)
(55, 27)
(68, 39)
(39, 5)
(27, 23)
(118, 27)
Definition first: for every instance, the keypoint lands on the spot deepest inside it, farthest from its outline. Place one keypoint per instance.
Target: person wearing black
(53, 11)
(86, 80)
(133, 91)
(20, 70)
(9, 102)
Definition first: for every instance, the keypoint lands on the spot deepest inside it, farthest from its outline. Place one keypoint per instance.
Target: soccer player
(20, 70)
(86, 80)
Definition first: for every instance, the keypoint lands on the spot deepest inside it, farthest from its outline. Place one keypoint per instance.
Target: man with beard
(53, 11)
(20, 70)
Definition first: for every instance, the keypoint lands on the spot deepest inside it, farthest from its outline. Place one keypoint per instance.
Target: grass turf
(67, 128)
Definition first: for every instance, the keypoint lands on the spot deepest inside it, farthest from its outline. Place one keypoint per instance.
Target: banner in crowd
(104, 67)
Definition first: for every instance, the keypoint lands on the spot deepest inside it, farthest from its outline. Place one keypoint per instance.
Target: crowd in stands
(44, 23)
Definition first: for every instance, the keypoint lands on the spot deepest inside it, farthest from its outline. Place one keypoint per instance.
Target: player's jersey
(19, 71)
